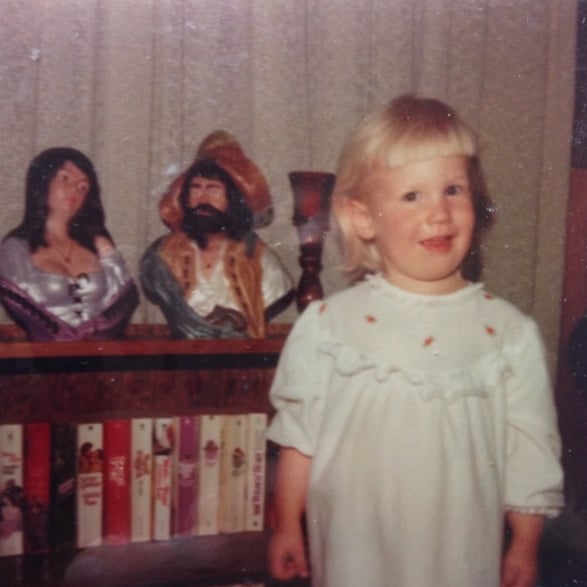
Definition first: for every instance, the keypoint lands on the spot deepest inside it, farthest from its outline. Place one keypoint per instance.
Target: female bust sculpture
(61, 277)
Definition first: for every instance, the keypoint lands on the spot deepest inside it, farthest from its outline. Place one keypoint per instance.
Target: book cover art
(62, 512)
(185, 475)
(90, 484)
(11, 490)
(163, 442)
(256, 471)
(209, 474)
(117, 481)
(141, 478)
(37, 485)
(233, 473)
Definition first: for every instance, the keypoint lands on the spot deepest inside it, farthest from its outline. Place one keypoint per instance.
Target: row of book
(76, 485)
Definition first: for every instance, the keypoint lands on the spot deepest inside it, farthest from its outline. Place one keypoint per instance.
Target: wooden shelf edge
(201, 560)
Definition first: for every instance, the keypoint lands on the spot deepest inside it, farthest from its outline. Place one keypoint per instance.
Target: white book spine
(163, 439)
(256, 471)
(141, 478)
(90, 484)
(209, 474)
(233, 474)
(11, 490)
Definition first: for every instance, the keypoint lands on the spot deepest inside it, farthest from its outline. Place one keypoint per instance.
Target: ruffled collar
(449, 385)
(379, 283)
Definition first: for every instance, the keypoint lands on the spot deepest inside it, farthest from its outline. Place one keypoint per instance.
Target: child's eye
(454, 190)
(410, 197)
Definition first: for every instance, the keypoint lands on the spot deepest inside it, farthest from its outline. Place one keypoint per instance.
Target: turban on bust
(224, 150)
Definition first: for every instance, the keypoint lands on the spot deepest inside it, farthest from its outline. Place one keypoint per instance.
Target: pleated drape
(136, 84)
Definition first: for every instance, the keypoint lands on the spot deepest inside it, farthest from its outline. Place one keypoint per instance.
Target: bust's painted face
(208, 191)
(67, 191)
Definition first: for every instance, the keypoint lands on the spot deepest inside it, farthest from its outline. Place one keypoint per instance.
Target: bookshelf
(144, 375)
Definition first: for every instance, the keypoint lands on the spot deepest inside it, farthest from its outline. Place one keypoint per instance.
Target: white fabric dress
(427, 417)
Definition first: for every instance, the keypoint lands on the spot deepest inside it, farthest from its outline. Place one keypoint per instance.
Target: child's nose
(439, 210)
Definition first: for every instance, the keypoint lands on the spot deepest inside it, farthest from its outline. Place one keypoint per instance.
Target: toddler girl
(414, 409)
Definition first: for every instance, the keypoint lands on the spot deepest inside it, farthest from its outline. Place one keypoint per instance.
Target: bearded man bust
(212, 276)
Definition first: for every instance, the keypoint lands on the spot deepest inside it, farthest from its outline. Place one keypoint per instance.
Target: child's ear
(361, 218)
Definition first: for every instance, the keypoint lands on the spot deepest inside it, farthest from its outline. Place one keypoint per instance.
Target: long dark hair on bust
(85, 226)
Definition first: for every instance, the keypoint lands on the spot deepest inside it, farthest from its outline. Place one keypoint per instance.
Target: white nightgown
(427, 418)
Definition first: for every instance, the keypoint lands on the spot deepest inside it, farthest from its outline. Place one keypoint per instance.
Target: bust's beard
(203, 220)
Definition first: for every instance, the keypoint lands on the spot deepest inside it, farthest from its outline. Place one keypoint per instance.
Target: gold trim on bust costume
(244, 275)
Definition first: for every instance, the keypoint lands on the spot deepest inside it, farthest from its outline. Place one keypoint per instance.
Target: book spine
(209, 474)
(62, 513)
(90, 481)
(37, 488)
(117, 481)
(256, 471)
(184, 475)
(233, 473)
(141, 478)
(11, 490)
(163, 441)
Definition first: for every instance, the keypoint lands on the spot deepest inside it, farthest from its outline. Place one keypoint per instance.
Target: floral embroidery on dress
(490, 330)
(370, 319)
(428, 341)
(488, 296)
(322, 308)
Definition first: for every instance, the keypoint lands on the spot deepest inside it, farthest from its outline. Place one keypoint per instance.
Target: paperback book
(209, 474)
(37, 486)
(233, 473)
(117, 481)
(11, 490)
(90, 479)
(141, 486)
(163, 441)
(185, 486)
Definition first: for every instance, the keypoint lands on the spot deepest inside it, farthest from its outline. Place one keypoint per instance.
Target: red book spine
(184, 475)
(37, 486)
(117, 481)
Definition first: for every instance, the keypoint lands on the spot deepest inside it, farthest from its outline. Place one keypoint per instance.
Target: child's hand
(518, 570)
(520, 563)
(287, 556)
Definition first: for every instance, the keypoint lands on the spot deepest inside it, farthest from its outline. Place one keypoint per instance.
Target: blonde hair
(407, 130)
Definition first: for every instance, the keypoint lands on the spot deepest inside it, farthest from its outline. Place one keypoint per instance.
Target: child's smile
(420, 216)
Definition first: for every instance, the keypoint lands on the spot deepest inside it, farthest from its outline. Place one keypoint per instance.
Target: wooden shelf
(144, 375)
(205, 560)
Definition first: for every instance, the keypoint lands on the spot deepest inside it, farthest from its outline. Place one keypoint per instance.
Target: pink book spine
(11, 490)
(141, 478)
(256, 471)
(185, 475)
(117, 481)
(209, 474)
(90, 483)
(37, 485)
(163, 441)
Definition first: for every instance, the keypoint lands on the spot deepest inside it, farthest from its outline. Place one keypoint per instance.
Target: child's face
(421, 218)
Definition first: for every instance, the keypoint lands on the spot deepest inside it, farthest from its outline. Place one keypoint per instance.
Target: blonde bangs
(412, 148)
